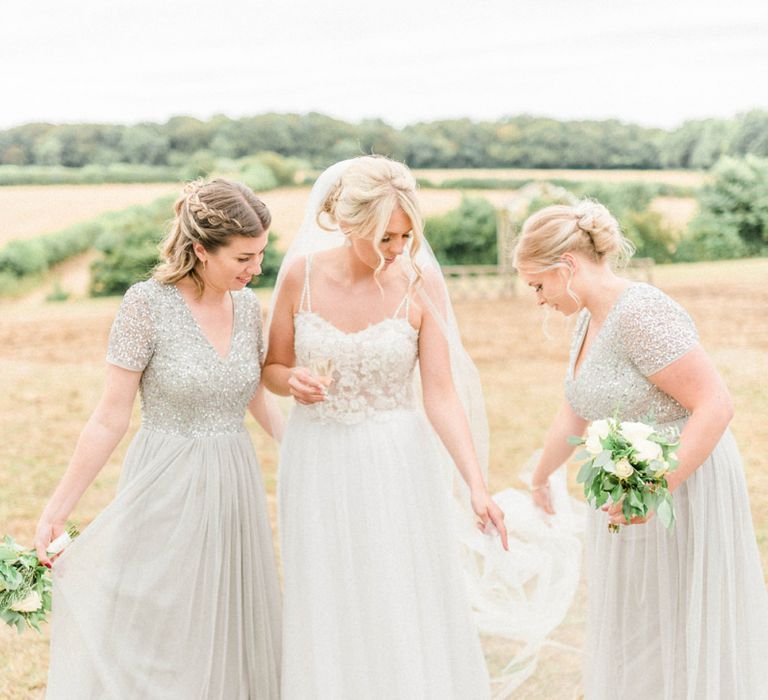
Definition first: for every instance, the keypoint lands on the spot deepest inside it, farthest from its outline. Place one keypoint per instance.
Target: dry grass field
(31, 210)
(51, 368)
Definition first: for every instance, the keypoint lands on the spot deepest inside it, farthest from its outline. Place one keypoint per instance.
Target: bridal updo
(209, 213)
(587, 228)
(362, 201)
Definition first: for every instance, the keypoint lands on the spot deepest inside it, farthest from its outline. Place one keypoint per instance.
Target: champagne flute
(321, 367)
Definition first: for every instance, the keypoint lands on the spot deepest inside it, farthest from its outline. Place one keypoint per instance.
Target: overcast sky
(655, 62)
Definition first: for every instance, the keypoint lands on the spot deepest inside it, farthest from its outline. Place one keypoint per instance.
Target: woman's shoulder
(145, 291)
(644, 301)
(248, 298)
(648, 313)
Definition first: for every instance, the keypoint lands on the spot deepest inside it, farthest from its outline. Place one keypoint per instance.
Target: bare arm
(267, 414)
(447, 416)
(556, 451)
(280, 375)
(695, 384)
(101, 434)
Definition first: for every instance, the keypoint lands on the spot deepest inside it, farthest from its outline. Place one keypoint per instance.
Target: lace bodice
(643, 333)
(372, 368)
(186, 387)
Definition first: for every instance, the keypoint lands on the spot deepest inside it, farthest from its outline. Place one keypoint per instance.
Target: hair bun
(594, 217)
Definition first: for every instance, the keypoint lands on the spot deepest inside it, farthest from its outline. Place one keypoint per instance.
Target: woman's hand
(617, 517)
(489, 513)
(47, 531)
(542, 497)
(304, 387)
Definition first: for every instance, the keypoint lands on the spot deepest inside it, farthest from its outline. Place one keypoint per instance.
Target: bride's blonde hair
(209, 213)
(363, 199)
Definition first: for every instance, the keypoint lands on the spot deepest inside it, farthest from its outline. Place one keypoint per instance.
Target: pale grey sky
(655, 62)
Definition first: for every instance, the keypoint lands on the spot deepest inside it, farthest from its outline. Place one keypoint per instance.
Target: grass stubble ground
(51, 371)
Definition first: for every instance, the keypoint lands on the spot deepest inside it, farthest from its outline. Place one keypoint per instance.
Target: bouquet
(628, 462)
(25, 584)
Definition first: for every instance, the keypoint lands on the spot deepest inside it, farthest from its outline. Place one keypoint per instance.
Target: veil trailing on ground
(518, 597)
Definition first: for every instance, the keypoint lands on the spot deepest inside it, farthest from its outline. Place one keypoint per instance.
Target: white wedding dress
(375, 602)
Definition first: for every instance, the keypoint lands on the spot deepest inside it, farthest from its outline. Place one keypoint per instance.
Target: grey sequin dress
(680, 614)
(172, 591)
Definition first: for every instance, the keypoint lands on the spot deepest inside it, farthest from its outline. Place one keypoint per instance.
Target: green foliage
(521, 141)
(58, 293)
(87, 175)
(270, 266)
(615, 470)
(36, 255)
(465, 236)
(651, 237)
(733, 213)
(129, 243)
(258, 176)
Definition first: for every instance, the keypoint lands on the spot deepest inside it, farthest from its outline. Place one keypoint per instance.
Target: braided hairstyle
(208, 212)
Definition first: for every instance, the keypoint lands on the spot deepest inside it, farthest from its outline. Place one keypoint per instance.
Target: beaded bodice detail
(372, 369)
(643, 333)
(186, 387)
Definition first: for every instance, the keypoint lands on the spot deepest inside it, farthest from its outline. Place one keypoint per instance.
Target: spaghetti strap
(405, 302)
(305, 295)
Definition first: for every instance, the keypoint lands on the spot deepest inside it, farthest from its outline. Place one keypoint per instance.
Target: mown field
(32, 210)
(51, 369)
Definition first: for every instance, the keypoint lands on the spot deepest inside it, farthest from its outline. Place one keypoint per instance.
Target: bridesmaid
(172, 591)
(672, 614)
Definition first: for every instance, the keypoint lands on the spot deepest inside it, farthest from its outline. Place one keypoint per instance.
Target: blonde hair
(209, 213)
(587, 228)
(363, 199)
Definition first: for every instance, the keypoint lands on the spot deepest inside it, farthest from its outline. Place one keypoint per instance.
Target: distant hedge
(260, 171)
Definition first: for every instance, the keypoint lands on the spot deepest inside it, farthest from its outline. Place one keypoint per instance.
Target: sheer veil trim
(519, 596)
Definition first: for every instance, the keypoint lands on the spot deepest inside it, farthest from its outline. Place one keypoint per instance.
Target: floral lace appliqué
(372, 368)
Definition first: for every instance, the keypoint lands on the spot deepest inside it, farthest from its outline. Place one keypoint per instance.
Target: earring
(347, 242)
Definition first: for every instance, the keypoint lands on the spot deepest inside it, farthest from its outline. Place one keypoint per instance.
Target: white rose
(599, 428)
(593, 445)
(662, 470)
(635, 432)
(623, 468)
(647, 450)
(597, 431)
(31, 603)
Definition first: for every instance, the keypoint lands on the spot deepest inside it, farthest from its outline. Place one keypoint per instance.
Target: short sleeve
(257, 324)
(132, 338)
(655, 330)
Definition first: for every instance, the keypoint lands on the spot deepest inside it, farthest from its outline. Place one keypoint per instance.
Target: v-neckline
(200, 330)
(576, 371)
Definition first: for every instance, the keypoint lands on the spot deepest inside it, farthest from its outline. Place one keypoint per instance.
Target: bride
(375, 602)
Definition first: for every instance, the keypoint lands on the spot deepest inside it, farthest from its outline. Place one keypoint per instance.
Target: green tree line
(517, 141)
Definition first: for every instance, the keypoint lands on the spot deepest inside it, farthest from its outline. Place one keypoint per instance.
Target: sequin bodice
(186, 387)
(372, 369)
(643, 333)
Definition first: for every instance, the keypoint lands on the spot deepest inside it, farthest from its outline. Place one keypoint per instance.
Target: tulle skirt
(172, 592)
(375, 603)
(680, 614)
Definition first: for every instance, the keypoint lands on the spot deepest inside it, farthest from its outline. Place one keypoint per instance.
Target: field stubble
(51, 367)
